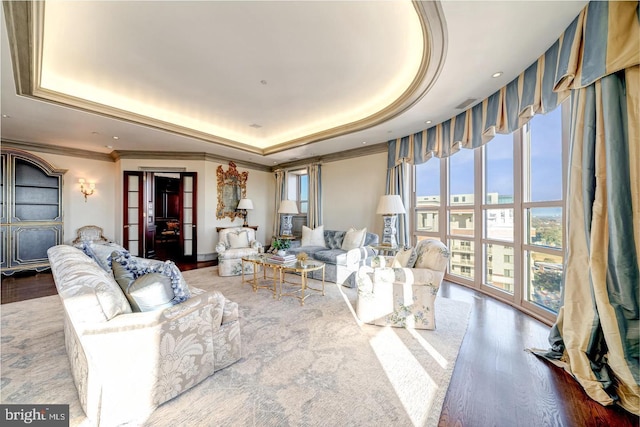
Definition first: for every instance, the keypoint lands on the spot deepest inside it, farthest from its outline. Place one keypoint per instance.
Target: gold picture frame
(232, 186)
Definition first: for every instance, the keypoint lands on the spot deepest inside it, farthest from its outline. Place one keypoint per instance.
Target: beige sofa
(403, 296)
(125, 363)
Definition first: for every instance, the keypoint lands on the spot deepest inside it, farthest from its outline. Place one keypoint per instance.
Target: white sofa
(125, 364)
(403, 296)
(233, 244)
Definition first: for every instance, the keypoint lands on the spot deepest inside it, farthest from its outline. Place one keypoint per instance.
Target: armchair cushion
(240, 240)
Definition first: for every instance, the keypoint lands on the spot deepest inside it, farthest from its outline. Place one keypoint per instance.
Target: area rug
(311, 365)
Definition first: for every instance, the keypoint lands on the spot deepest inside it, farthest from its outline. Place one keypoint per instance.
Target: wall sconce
(84, 190)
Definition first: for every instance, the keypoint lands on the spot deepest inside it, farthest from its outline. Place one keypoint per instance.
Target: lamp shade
(288, 207)
(390, 204)
(245, 204)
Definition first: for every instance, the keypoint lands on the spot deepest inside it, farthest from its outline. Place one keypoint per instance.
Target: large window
(298, 189)
(502, 213)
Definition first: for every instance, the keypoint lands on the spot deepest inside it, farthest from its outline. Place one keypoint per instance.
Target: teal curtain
(280, 195)
(314, 215)
(397, 183)
(595, 61)
(579, 57)
(596, 337)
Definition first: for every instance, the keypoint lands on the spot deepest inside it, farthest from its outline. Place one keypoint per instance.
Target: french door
(139, 229)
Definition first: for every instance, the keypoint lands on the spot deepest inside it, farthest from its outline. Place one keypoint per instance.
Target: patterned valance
(603, 39)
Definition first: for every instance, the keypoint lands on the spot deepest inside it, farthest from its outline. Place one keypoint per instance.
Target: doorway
(167, 215)
(160, 215)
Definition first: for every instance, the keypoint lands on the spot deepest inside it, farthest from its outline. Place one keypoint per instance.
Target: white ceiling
(316, 77)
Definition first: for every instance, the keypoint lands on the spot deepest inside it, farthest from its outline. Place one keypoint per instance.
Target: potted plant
(280, 246)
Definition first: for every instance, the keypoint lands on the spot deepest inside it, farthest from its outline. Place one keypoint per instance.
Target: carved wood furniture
(31, 211)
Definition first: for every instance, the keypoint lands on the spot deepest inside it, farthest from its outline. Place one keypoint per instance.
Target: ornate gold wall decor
(232, 186)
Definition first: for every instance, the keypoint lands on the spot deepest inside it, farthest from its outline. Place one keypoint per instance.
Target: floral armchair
(403, 296)
(233, 244)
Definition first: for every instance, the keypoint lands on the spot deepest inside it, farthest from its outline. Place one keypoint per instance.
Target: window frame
(520, 245)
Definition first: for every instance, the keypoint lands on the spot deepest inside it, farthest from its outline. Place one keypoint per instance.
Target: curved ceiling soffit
(434, 33)
(25, 24)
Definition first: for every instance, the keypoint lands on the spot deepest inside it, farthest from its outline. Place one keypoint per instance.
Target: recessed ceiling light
(6, 116)
(428, 122)
(364, 142)
(116, 137)
(255, 125)
(264, 82)
(496, 74)
(94, 133)
(109, 146)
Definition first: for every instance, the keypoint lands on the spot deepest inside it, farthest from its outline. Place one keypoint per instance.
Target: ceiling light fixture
(364, 142)
(116, 137)
(264, 82)
(6, 116)
(496, 74)
(428, 122)
(109, 146)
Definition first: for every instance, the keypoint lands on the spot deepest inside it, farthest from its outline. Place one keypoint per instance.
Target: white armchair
(233, 244)
(403, 296)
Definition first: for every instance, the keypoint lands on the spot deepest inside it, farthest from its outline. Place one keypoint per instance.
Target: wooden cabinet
(31, 211)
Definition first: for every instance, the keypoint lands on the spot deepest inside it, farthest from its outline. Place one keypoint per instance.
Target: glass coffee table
(261, 283)
(299, 269)
(283, 275)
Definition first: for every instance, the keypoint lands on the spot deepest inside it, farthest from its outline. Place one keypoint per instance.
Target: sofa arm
(255, 244)
(357, 256)
(139, 361)
(221, 247)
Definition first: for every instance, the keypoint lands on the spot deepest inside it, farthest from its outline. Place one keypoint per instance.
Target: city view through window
(521, 189)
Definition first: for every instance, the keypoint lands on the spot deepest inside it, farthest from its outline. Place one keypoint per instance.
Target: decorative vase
(281, 252)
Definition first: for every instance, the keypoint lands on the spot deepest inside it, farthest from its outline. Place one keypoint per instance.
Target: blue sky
(546, 164)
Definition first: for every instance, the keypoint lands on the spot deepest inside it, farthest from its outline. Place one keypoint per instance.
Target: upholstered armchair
(233, 244)
(392, 295)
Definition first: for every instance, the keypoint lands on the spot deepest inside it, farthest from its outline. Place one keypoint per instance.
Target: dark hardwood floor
(495, 381)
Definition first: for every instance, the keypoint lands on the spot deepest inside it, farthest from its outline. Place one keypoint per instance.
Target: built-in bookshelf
(31, 209)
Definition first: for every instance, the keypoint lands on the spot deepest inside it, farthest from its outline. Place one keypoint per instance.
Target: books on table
(277, 259)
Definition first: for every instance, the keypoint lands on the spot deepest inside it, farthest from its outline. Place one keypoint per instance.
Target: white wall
(98, 209)
(351, 190)
(104, 207)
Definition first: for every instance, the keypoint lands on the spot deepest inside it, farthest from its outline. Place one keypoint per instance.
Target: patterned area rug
(305, 365)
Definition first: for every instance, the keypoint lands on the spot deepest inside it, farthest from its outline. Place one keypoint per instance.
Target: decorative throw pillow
(123, 262)
(123, 275)
(100, 252)
(354, 239)
(313, 237)
(150, 292)
(240, 240)
(404, 259)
